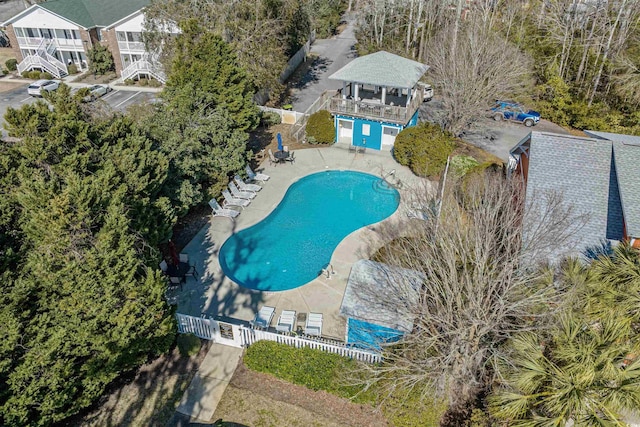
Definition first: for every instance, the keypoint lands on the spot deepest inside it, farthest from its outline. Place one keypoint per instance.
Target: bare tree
(474, 74)
(478, 285)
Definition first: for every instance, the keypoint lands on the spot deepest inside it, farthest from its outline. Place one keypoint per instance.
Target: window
(366, 130)
(19, 32)
(121, 36)
(32, 32)
(134, 36)
(70, 34)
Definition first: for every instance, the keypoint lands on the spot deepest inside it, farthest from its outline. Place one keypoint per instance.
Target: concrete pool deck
(214, 295)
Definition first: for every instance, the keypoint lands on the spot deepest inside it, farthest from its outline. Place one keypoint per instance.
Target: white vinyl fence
(286, 116)
(241, 336)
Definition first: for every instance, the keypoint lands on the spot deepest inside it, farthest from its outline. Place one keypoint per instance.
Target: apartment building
(57, 33)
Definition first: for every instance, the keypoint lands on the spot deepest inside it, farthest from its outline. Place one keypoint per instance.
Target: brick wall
(111, 42)
(14, 42)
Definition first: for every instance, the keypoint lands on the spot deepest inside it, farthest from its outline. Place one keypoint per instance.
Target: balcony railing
(374, 109)
(34, 42)
(143, 66)
(131, 47)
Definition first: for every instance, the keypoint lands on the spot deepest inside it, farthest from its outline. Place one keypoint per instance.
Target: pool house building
(380, 96)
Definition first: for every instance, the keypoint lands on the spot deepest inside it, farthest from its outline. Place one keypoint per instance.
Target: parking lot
(117, 100)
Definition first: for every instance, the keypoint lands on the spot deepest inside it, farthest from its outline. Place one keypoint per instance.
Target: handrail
(143, 66)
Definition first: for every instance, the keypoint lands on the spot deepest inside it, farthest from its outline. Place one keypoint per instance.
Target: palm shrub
(320, 127)
(588, 373)
(587, 367)
(424, 149)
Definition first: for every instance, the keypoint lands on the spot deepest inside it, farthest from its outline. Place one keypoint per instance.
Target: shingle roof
(626, 149)
(94, 13)
(625, 139)
(627, 160)
(582, 170)
(382, 69)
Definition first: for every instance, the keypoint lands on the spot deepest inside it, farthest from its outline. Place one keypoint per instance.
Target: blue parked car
(507, 110)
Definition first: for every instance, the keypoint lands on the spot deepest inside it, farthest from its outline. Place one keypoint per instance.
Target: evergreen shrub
(320, 126)
(45, 75)
(72, 69)
(35, 75)
(269, 118)
(11, 64)
(311, 368)
(424, 149)
(461, 164)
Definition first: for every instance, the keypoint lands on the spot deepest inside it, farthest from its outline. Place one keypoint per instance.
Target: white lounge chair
(219, 211)
(240, 194)
(229, 200)
(314, 324)
(263, 317)
(256, 177)
(246, 187)
(286, 321)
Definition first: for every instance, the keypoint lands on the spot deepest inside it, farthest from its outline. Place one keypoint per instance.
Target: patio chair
(256, 177)
(240, 194)
(263, 317)
(175, 282)
(286, 321)
(292, 157)
(219, 211)
(192, 267)
(164, 266)
(272, 158)
(243, 186)
(314, 324)
(229, 200)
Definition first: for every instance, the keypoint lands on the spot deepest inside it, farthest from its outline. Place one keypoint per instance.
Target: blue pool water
(291, 246)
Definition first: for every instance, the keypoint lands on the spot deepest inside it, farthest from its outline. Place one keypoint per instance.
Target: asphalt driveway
(332, 54)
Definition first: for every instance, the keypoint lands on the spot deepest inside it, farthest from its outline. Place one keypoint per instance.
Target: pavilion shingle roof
(382, 69)
(94, 13)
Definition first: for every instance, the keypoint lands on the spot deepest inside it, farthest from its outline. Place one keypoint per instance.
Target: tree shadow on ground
(147, 396)
(314, 70)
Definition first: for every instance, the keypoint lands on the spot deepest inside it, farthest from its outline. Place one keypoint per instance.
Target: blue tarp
(369, 335)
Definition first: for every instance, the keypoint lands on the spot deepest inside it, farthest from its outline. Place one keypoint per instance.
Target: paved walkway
(333, 54)
(201, 399)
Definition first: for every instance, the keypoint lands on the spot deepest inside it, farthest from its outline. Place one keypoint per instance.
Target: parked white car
(95, 92)
(36, 88)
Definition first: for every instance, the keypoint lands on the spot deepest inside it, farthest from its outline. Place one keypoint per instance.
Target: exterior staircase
(145, 66)
(44, 60)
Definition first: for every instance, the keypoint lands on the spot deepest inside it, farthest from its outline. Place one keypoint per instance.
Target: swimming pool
(291, 246)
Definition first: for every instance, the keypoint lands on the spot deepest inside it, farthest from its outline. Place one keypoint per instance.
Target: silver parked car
(95, 92)
(37, 88)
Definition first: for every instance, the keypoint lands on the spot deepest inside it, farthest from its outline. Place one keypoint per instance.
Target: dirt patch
(94, 79)
(7, 85)
(147, 398)
(5, 54)
(257, 399)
